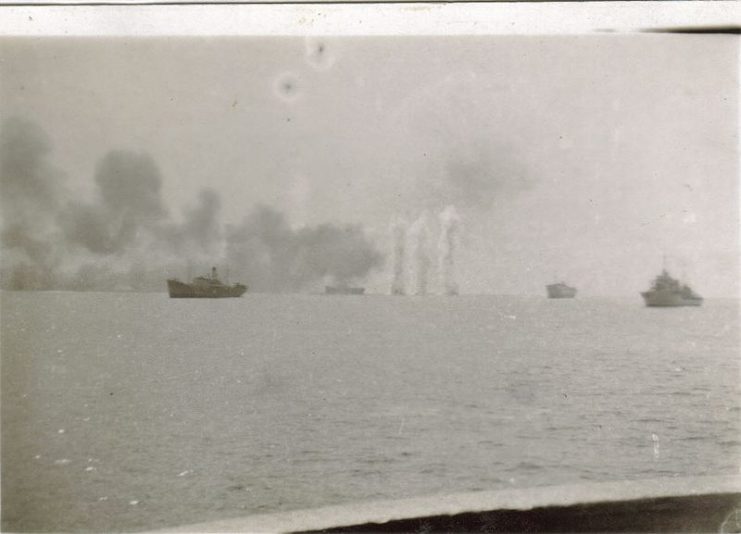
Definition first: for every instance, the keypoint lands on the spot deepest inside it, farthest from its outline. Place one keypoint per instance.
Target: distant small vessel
(343, 290)
(669, 292)
(560, 291)
(204, 287)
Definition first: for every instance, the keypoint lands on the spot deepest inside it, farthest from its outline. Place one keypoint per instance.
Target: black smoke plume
(30, 189)
(129, 202)
(124, 237)
(276, 257)
(200, 236)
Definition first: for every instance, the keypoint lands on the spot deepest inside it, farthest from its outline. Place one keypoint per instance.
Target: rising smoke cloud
(129, 202)
(279, 258)
(31, 189)
(201, 234)
(126, 238)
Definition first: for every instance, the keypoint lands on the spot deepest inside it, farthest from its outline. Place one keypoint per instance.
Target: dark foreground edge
(703, 504)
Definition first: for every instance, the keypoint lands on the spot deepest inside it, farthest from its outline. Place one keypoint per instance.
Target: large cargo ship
(669, 292)
(343, 290)
(560, 291)
(206, 287)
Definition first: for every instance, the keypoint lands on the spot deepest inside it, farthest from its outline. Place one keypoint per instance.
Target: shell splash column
(420, 237)
(447, 245)
(399, 236)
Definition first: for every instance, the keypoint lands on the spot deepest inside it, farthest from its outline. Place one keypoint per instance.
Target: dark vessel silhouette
(206, 287)
(560, 291)
(669, 292)
(343, 290)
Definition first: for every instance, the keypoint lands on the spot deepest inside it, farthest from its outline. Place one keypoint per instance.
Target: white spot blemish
(62, 461)
(319, 54)
(134, 502)
(60, 431)
(89, 468)
(655, 439)
(287, 87)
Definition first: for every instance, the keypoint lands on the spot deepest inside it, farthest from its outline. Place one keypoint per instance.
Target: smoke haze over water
(129, 203)
(31, 192)
(280, 258)
(125, 237)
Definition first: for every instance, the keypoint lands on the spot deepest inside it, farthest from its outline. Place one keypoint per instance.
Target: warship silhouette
(669, 292)
(343, 290)
(205, 287)
(560, 291)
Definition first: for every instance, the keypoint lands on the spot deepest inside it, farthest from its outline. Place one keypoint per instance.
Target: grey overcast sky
(582, 158)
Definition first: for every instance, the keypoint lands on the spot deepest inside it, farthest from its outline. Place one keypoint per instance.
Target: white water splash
(419, 234)
(399, 237)
(447, 245)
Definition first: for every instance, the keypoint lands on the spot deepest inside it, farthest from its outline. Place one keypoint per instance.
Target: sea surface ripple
(134, 411)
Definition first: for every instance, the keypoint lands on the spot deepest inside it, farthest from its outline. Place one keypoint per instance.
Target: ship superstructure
(560, 291)
(667, 291)
(209, 287)
(343, 290)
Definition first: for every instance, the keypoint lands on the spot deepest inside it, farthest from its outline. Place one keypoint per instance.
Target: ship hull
(332, 290)
(180, 290)
(560, 292)
(669, 299)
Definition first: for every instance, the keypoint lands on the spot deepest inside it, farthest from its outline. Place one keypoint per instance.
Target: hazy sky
(584, 158)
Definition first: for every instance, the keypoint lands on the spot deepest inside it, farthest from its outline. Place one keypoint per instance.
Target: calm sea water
(133, 411)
